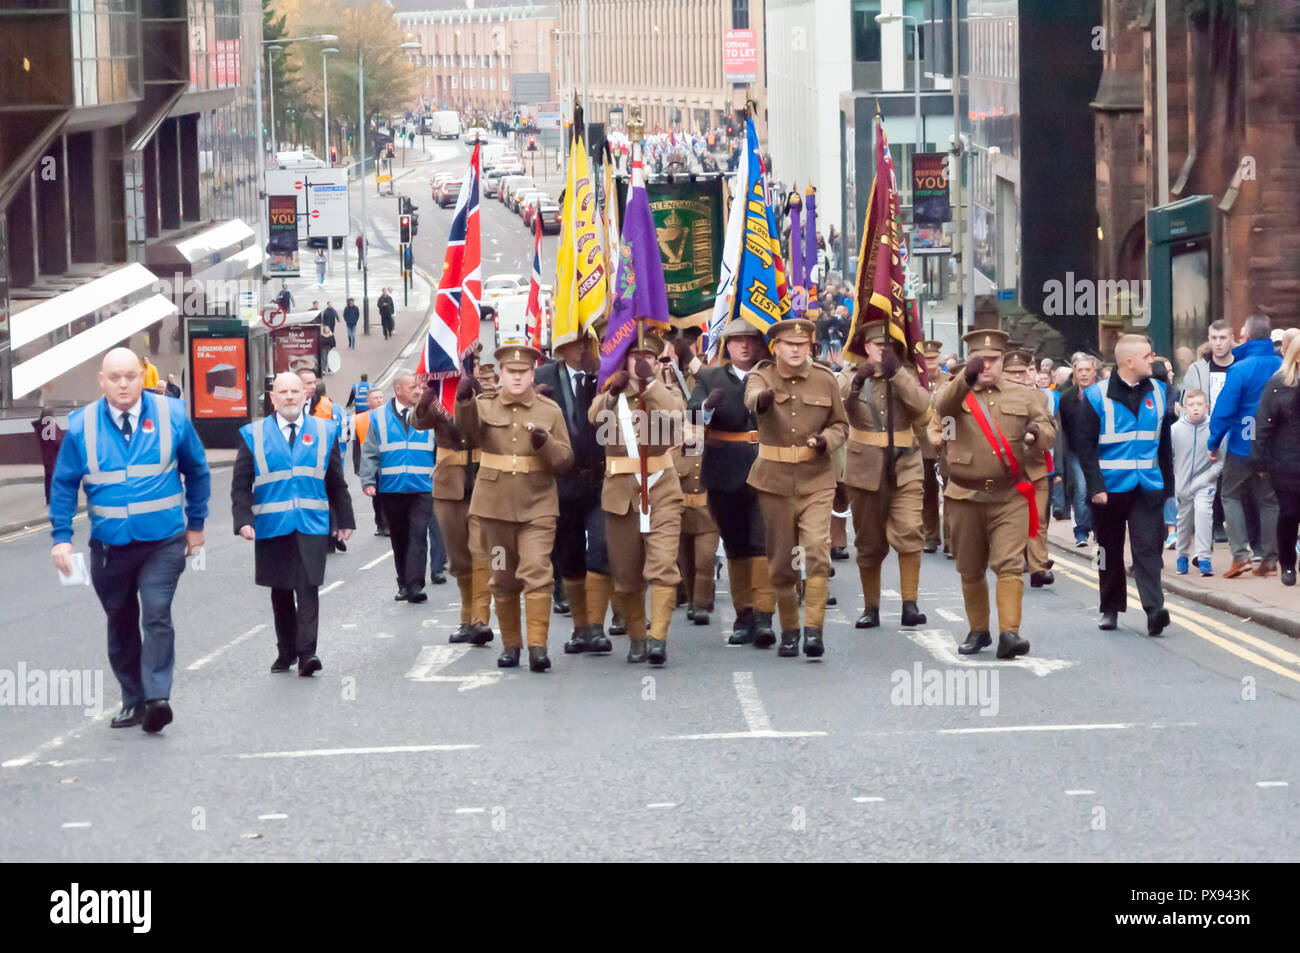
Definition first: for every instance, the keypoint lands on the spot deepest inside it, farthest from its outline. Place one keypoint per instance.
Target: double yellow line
(1196, 623)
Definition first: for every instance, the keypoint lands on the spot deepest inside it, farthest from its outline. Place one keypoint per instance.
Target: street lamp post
(270, 76)
(325, 74)
(361, 231)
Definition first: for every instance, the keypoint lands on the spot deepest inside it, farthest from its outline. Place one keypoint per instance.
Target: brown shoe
(1267, 567)
(1238, 568)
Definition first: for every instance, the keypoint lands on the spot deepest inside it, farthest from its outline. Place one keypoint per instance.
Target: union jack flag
(535, 317)
(454, 321)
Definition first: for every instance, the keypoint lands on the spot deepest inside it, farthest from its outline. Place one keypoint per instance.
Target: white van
(490, 154)
(512, 318)
(447, 124)
(298, 160)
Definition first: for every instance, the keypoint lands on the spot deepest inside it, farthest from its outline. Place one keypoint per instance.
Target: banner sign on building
(930, 189)
(220, 372)
(549, 116)
(688, 219)
(739, 56)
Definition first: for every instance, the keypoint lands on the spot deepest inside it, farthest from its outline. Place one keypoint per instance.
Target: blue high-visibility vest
(405, 465)
(133, 490)
(1128, 447)
(289, 484)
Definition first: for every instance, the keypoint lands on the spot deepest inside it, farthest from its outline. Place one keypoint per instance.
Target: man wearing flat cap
(524, 446)
(996, 426)
(884, 472)
(801, 421)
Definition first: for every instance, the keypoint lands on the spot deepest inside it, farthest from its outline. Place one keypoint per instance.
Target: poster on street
(220, 374)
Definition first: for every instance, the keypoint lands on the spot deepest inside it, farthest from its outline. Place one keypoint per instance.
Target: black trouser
(580, 536)
(930, 504)
(380, 522)
(1287, 489)
(135, 584)
(1142, 514)
(408, 516)
(740, 524)
(296, 620)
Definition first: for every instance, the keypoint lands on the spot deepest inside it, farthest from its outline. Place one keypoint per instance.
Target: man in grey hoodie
(1194, 480)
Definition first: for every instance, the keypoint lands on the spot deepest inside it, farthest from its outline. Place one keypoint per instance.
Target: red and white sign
(739, 56)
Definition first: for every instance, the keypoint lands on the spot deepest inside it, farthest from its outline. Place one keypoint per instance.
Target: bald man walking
(130, 451)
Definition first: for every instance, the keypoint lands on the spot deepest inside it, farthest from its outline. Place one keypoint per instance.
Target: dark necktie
(406, 417)
(126, 427)
(293, 433)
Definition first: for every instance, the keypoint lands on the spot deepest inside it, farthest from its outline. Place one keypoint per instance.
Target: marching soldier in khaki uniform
(801, 422)
(884, 471)
(996, 426)
(934, 434)
(639, 435)
(930, 453)
(699, 541)
(523, 445)
(1019, 367)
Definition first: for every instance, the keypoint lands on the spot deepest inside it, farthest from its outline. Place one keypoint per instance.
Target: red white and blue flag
(454, 321)
(534, 315)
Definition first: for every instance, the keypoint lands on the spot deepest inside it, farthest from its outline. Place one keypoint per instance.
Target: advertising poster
(739, 56)
(220, 369)
(295, 347)
(930, 189)
(282, 229)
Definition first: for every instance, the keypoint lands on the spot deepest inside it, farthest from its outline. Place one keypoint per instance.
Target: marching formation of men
(626, 492)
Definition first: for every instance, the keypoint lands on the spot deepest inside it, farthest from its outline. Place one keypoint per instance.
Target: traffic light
(415, 225)
(390, 150)
(405, 225)
(334, 154)
(532, 143)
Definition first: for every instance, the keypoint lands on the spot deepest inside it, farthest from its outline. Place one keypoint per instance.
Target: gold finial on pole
(636, 126)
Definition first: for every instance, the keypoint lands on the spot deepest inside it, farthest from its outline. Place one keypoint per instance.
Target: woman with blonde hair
(1276, 450)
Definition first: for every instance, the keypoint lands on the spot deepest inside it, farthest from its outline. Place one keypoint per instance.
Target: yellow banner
(565, 327)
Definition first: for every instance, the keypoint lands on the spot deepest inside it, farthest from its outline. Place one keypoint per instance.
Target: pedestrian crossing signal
(532, 143)
(334, 154)
(405, 222)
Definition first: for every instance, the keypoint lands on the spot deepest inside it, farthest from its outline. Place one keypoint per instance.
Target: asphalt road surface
(1096, 747)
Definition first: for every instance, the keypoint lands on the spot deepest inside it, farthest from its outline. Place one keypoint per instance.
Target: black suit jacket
(278, 560)
(725, 466)
(588, 455)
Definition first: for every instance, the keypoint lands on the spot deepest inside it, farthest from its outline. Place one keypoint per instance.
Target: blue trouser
(352, 335)
(1082, 512)
(437, 551)
(135, 584)
(1056, 492)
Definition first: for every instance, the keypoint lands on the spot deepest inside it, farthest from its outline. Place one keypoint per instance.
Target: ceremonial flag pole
(798, 287)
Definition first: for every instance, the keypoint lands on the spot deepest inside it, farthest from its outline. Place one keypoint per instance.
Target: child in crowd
(1194, 479)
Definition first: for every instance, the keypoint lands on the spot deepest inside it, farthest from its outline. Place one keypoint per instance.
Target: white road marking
(471, 810)
(868, 800)
(332, 586)
(1272, 784)
(661, 805)
(195, 666)
(56, 741)
(950, 616)
(273, 817)
(383, 635)
(338, 752)
(1117, 726)
(943, 646)
(730, 735)
(890, 594)
(375, 562)
(433, 658)
(71, 824)
(1078, 792)
(751, 706)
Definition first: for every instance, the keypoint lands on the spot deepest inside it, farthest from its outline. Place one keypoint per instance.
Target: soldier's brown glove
(685, 353)
(425, 407)
(467, 388)
(444, 426)
(714, 399)
(865, 370)
(763, 403)
(889, 363)
(643, 369)
(538, 437)
(974, 368)
(818, 443)
(618, 382)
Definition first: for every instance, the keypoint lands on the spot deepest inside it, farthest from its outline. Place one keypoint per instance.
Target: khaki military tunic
(795, 484)
(699, 536)
(885, 515)
(514, 495)
(1036, 470)
(457, 461)
(639, 559)
(930, 456)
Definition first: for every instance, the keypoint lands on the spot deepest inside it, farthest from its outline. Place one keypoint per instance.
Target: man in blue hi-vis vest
(288, 478)
(130, 451)
(1123, 443)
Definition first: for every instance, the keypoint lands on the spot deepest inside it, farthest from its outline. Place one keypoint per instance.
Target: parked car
(474, 134)
(492, 183)
(439, 180)
(528, 202)
(521, 196)
(449, 192)
(513, 183)
(496, 287)
(550, 215)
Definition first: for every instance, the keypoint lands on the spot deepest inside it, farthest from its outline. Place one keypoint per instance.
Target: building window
(866, 31)
(505, 83)
(492, 82)
(740, 14)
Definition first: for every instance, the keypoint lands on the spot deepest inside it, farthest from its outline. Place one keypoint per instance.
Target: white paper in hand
(80, 576)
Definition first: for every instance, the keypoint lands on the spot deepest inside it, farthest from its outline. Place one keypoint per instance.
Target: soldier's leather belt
(902, 438)
(695, 500)
(511, 463)
(457, 458)
(617, 466)
(800, 454)
(996, 485)
(731, 436)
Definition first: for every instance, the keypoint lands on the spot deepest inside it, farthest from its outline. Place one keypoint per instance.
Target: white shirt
(133, 412)
(574, 376)
(401, 409)
(284, 423)
(740, 375)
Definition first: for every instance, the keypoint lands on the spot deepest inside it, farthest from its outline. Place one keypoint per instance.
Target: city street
(1095, 747)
